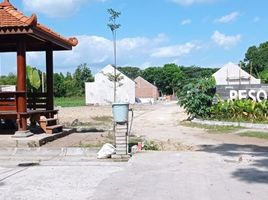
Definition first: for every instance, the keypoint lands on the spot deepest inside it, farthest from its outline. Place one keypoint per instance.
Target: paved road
(189, 176)
(54, 180)
(241, 173)
(218, 170)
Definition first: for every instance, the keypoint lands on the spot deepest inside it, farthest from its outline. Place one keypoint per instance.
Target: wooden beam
(21, 84)
(48, 37)
(49, 71)
(34, 42)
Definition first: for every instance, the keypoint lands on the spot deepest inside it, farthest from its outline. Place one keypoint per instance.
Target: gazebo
(19, 33)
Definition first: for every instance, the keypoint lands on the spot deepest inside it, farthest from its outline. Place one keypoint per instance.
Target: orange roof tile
(11, 17)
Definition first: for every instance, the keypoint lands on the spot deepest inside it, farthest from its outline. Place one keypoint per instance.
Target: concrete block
(124, 150)
(121, 143)
(120, 138)
(121, 158)
(22, 134)
(120, 135)
(121, 153)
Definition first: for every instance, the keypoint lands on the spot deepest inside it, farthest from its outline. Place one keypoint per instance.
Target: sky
(205, 33)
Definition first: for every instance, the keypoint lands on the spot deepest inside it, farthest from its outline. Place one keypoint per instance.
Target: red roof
(10, 17)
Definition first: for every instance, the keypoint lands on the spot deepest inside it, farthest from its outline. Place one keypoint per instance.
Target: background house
(232, 74)
(145, 91)
(7, 88)
(101, 91)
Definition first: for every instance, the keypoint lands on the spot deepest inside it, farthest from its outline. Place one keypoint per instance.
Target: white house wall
(102, 90)
(7, 88)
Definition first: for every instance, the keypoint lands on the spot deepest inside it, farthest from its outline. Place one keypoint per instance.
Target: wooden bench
(36, 108)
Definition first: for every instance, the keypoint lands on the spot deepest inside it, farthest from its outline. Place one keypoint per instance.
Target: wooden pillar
(49, 71)
(21, 85)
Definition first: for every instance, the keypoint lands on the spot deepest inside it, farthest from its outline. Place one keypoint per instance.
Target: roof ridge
(20, 16)
(5, 3)
(146, 81)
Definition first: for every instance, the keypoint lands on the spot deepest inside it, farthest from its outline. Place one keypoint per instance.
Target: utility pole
(43, 82)
(239, 73)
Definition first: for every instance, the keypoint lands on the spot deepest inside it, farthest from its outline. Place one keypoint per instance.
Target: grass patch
(252, 121)
(103, 118)
(98, 142)
(70, 101)
(256, 134)
(151, 146)
(211, 128)
(90, 126)
(134, 140)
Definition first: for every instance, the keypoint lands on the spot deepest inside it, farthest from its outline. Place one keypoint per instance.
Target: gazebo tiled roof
(11, 17)
(13, 21)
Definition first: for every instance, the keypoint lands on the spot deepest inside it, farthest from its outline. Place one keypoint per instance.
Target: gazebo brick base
(22, 134)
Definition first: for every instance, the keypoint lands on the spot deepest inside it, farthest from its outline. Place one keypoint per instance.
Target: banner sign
(256, 92)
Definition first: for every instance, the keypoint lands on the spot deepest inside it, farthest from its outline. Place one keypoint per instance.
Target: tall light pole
(114, 26)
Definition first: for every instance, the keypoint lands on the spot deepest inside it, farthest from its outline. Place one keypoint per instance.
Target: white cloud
(8, 63)
(225, 40)
(98, 51)
(256, 19)
(191, 2)
(55, 8)
(186, 21)
(228, 18)
(175, 50)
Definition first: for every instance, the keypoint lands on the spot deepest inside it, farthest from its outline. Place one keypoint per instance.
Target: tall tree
(264, 76)
(71, 86)
(173, 75)
(256, 59)
(131, 72)
(59, 86)
(10, 79)
(194, 72)
(155, 76)
(81, 75)
(113, 27)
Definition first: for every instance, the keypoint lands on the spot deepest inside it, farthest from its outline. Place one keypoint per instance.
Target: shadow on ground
(256, 170)
(6, 130)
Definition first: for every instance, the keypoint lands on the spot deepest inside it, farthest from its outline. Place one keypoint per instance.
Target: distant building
(7, 88)
(145, 91)
(101, 91)
(232, 74)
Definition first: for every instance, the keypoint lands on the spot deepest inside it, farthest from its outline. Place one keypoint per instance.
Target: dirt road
(162, 124)
(159, 123)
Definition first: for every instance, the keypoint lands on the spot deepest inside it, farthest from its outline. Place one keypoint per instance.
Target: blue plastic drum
(120, 112)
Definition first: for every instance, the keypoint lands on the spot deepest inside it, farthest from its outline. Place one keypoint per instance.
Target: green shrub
(151, 146)
(70, 101)
(240, 110)
(196, 98)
